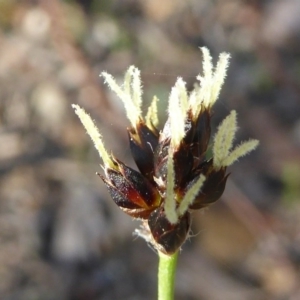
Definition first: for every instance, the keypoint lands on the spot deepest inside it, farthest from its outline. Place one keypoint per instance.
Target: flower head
(175, 176)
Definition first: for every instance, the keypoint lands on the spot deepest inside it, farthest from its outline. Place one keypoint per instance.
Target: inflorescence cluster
(175, 176)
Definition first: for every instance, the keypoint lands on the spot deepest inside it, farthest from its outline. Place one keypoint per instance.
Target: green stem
(166, 276)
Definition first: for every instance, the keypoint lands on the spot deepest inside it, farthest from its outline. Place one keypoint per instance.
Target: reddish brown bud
(160, 159)
(132, 192)
(169, 237)
(183, 162)
(198, 133)
(213, 186)
(143, 141)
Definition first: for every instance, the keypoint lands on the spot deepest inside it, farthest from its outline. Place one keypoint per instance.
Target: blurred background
(61, 236)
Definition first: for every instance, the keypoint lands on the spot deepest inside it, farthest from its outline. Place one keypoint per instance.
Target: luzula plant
(175, 175)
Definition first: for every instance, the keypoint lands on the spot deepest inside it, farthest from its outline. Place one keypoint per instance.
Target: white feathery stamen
(239, 151)
(210, 82)
(223, 156)
(219, 76)
(133, 111)
(206, 81)
(152, 116)
(194, 99)
(207, 63)
(136, 87)
(224, 138)
(170, 202)
(94, 134)
(183, 95)
(176, 117)
(190, 195)
(127, 80)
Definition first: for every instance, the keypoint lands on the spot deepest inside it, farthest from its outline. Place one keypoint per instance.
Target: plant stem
(166, 276)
